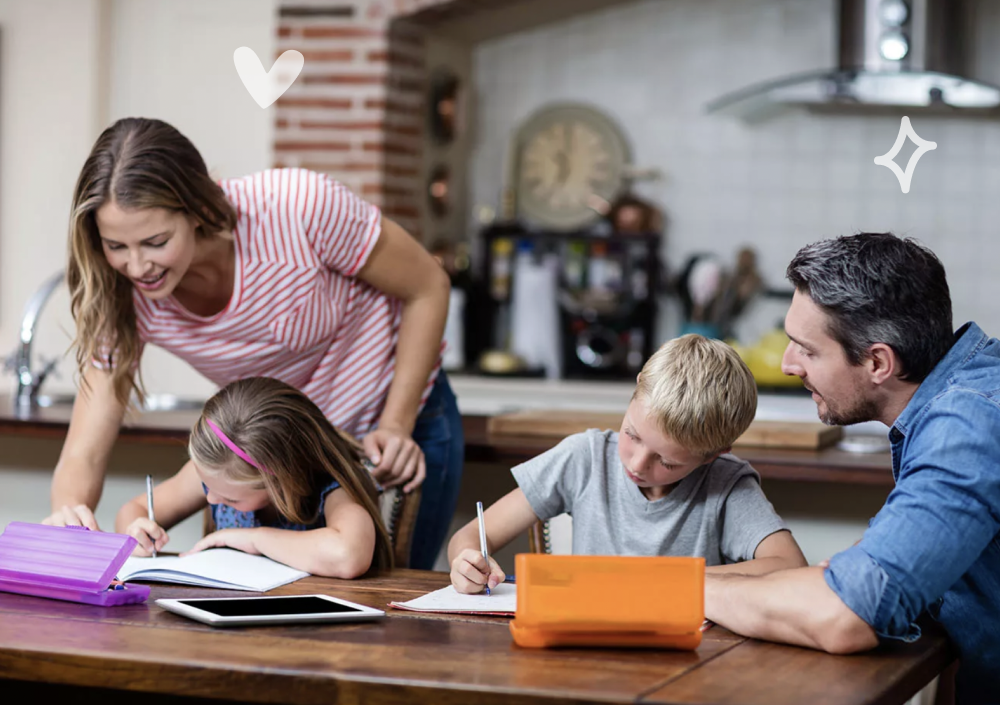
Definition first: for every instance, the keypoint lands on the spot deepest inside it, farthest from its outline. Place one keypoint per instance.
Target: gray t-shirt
(718, 512)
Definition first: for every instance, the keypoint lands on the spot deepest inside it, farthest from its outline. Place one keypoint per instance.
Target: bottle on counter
(500, 268)
(597, 267)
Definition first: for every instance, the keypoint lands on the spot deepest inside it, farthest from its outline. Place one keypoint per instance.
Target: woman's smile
(151, 283)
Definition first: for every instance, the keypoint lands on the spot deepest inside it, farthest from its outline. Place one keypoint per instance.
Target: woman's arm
(174, 500)
(778, 551)
(400, 267)
(343, 549)
(79, 475)
(509, 516)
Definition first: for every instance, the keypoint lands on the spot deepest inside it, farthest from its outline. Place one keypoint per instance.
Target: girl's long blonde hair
(137, 163)
(283, 431)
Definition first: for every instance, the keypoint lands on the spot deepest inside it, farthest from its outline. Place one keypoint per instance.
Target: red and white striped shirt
(297, 313)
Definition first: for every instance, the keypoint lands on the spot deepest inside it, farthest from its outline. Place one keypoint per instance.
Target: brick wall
(357, 110)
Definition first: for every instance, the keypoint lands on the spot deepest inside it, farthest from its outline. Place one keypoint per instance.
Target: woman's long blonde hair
(282, 430)
(137, 163)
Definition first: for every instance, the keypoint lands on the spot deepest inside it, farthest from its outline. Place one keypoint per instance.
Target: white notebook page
(502, 599)
(216, 567)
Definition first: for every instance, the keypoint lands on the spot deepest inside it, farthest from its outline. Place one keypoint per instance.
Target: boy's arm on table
(508, 517)
(344, 548)
(174, 500)
(789, 606)
(779, 551)
(78, 479)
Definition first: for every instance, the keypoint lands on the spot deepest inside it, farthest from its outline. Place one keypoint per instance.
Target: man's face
(841, 390)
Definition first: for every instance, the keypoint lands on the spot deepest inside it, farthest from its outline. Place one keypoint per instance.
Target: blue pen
(510, 579)
(482, 542)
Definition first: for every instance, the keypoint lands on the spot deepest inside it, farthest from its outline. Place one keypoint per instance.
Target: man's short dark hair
(879, 288)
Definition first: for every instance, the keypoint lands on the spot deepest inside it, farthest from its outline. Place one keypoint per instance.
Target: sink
(154, 402)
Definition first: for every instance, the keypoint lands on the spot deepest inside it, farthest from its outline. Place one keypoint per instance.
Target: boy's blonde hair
(699, 392)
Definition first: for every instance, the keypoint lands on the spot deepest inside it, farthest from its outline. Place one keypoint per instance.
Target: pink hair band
(235, 448)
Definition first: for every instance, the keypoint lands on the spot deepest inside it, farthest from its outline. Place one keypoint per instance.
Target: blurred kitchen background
(598, 176)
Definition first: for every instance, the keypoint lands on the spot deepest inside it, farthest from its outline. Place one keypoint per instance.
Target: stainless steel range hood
(892, 54)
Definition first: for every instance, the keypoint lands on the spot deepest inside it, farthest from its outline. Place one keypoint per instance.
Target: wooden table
(51, 649)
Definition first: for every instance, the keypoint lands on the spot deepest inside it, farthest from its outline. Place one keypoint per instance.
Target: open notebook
(502, 601)
(216, 568)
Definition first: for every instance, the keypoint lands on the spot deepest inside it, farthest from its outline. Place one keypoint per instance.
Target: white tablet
(282, 609)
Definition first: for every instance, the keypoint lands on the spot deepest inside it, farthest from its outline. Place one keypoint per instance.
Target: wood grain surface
(51, 649)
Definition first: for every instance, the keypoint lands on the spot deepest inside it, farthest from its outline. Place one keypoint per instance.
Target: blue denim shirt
(934, 545)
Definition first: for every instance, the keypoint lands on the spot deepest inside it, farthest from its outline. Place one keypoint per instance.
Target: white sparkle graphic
(886, 160)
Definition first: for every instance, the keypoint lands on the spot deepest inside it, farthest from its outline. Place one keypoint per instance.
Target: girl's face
(241, 497)
(153, 247)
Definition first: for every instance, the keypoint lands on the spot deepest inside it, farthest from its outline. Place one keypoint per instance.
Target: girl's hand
(397, 458)
(469, 574)
(240, 539)
(149, 534)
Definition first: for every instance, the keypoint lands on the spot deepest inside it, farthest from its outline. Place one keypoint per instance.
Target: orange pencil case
(653, 602)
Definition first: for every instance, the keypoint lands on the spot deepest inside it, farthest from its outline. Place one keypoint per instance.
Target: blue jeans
(439, 434)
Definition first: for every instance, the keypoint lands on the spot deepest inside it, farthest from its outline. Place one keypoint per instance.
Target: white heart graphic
(265, 88)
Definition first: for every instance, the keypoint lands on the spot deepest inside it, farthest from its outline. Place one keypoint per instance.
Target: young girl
(281, 480)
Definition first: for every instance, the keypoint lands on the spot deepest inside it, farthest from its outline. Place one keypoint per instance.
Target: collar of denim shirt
(969, 340)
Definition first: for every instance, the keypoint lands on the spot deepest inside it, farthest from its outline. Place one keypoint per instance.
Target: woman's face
(153, 247)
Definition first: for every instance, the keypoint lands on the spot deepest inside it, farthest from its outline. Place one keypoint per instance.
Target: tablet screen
(269, 606)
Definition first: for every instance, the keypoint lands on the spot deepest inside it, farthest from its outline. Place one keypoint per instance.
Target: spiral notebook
(215, 568)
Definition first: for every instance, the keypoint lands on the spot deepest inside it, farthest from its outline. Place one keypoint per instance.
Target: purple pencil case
(66, 563)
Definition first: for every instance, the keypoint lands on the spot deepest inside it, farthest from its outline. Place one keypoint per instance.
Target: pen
(149, 505)
(482, 543)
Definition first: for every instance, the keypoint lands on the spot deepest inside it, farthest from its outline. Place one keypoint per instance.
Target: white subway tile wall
(777, 184)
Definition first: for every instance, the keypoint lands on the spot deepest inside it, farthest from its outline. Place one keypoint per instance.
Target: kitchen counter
(480, 399)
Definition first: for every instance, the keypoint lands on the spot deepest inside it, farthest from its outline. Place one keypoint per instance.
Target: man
(871, 337)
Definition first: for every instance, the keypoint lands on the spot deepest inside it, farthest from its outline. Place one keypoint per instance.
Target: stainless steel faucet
(30, 381)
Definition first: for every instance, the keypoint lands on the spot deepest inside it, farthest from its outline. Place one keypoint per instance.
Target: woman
(282, 274)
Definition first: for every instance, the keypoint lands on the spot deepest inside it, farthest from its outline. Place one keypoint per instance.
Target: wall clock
(565, 155)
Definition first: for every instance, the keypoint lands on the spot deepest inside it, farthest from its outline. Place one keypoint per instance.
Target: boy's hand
(149, 534)
(469, 573)
(240, 539)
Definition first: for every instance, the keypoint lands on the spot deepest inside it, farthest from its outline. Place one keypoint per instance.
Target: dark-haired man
(871, 336)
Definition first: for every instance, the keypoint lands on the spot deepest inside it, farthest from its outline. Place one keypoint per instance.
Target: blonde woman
(310, 504)
(283, 274)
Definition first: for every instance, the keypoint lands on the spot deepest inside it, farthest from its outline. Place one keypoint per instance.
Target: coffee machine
(606, 294)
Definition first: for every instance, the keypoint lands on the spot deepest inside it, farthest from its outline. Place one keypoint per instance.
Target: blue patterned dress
(228, 518)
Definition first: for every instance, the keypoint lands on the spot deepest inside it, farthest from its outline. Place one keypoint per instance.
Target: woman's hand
(397, 458)
(79, 515)
(240, 539)
(149, 534)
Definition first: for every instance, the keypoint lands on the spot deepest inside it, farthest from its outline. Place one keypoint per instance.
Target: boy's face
(652, 460)
(837, 386)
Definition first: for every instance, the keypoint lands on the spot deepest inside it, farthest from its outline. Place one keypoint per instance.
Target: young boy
(663, 486)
